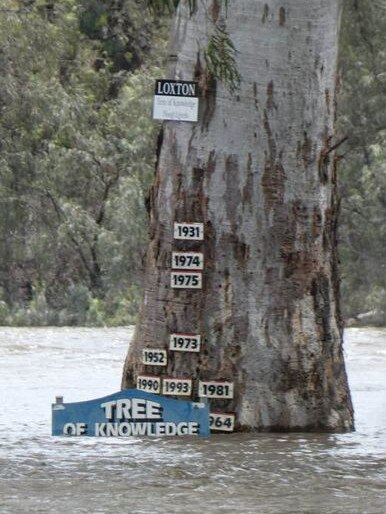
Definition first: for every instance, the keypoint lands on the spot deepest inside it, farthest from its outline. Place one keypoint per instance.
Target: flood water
(236, 473)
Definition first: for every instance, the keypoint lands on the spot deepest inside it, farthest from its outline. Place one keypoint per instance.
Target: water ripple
(238, 473)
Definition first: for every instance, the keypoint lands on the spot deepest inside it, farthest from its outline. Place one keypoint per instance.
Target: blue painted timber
(130, 412)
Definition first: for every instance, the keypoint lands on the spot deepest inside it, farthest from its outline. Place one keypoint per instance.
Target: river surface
(236, 473)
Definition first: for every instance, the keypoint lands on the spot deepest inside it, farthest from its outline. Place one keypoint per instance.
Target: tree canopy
(362, 119)
(76, 159)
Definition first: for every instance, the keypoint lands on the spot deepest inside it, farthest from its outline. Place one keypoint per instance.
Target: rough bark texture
(257, 170)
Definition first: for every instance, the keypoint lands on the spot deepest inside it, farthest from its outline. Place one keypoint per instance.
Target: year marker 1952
(154, 357)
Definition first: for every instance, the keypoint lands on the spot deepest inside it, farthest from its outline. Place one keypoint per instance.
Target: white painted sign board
(150, 384)
(185, 342)
(214, 389)
(177, 386)
(187, 260)
(186, 279)
(154, 357)
(189, 231)
(175, 100)
(221, 421)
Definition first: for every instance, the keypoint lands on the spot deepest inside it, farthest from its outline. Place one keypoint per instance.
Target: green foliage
(161, 7)
(75, 164)
(122, 34)
(220, 53)
(362, 117)
(76, 159)
(220, 58)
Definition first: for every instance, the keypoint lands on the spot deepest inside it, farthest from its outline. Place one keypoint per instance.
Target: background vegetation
(76, 158)
(362, 119)
(77, 147)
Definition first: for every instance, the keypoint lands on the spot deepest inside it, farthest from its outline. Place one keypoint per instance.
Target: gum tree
(258, 169)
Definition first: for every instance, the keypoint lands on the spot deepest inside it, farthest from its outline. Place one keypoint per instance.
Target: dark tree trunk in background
(259, 171)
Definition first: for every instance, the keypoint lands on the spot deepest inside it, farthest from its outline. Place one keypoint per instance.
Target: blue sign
(130, 412)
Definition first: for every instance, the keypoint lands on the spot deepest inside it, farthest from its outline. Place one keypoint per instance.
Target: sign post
(175, 100)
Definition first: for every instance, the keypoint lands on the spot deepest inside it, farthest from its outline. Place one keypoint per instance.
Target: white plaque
(185, 342)
(177, 386)
(215, 389)
(175, 108)
(221, 421)
(190, 231)
(188, 260)
(186, 279)
(149, 383)
(175, 100)
(154, 357)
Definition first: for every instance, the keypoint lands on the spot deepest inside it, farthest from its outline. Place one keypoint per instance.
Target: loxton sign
(175, 100)
(131, 413)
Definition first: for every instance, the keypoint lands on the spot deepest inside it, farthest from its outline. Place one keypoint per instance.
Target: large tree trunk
(259, 171)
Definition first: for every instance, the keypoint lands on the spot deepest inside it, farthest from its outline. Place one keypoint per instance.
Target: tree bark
(259, 171)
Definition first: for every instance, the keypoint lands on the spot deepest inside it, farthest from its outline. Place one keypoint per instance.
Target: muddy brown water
(238, 473)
